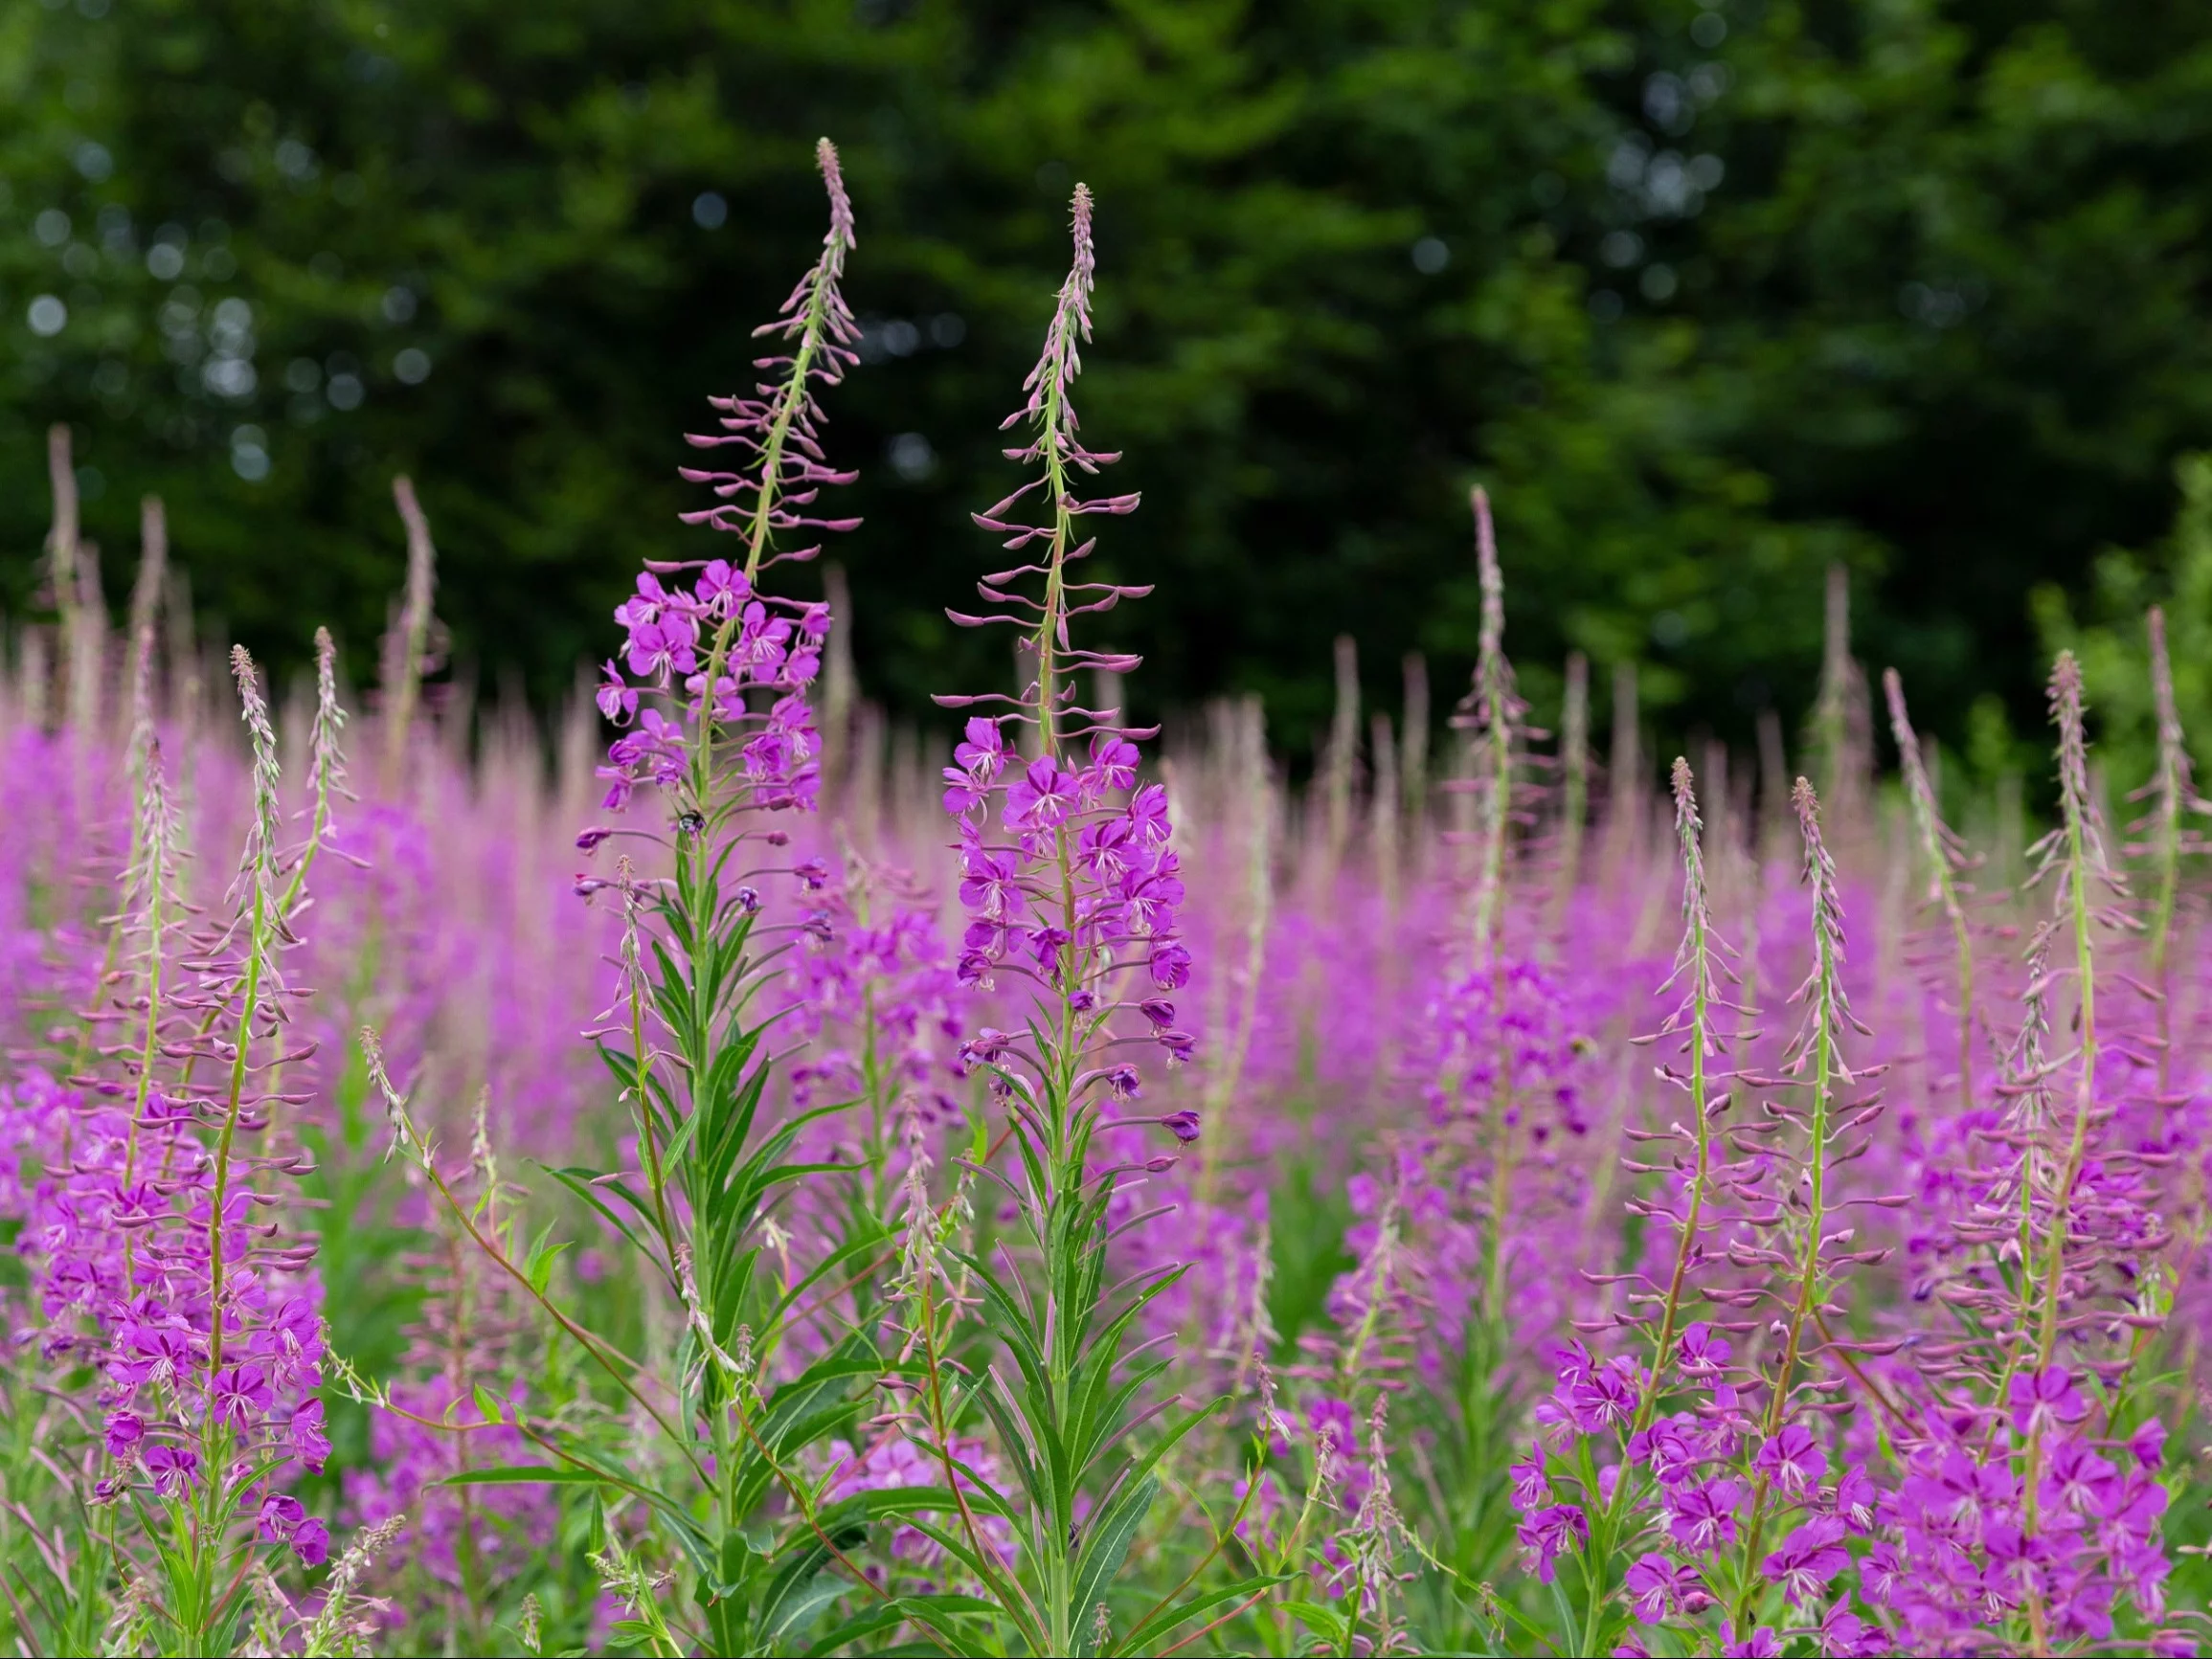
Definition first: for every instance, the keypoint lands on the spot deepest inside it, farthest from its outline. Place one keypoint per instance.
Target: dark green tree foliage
(1709, 297)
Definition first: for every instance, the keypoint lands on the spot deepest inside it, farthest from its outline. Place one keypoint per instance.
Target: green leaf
(1106, 1542)
(529, 1475)
(790, 1618)
(1322, 1621)
(539, 1263)
(1146, 1635)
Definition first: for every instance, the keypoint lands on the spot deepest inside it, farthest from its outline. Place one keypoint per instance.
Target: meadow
(705, 1174)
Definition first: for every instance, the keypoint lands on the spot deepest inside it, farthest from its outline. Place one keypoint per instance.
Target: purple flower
(174, 1467)
(1701, 1352)
(1808, 1559)
(1846, 1635)
(722, 588)
(2049, 1396)
(311, 1542)
(1603, 1397)
(290, 1345)
(1531, 1490)
(126, 1430)
(1702, 1518)
(1958, 1489)
(240, 1394)
(1170, 965)
(757, 652)
(1670, 1447)
(281, 1517)
(987, 882)
(1857, 1500)
(2077, 1479)
(1544, 1534)
(642, 608)
(1881, 1573)
(1112, 765)
(1148, 815)
(2149, 1442)
(1153, 894)
(659, 649)
(1041, 797)
(618, 699)
(1046, 942)
(1791, 1460)
(1109, 850)
(983, 753)
(156, 1354)
(309, 1443)
(1182, 1125)
(1761, 1644)
(1658, 1587)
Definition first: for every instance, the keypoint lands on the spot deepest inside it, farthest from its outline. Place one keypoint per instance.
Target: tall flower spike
(1120, 855)
(1698, 970)
(149, 908)
(2074, 854)
(1946, 860)
(1495, 707)
(779, 427)
(259, 986)
(325, 770)
(731, 659)
(1800, 1213)
(406, 647)
(1071, 882)
(1574, 772)
(145, 605)
(255, 891)
(2173, 794)
(1049, 407)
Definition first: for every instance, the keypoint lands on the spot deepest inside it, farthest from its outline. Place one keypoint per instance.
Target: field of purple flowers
(715, 1182)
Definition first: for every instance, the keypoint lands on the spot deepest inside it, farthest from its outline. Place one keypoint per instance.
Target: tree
(1709, 297)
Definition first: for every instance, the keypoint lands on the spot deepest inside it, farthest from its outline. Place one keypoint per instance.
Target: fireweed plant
(170, 1279)
(1073, 887)
(710, 688)
(857, 1285)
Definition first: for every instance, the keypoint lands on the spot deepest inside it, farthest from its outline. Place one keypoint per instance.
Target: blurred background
(1710, 296)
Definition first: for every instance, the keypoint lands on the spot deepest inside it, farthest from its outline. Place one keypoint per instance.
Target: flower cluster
(1118, 890)
(1971, 1539)
(158, 1249)
(117, 1238)
(1733, 1522)
(764, 650)
(720, 653)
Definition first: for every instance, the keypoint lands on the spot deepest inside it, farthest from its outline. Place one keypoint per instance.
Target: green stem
(792, 398)
(256, 948)
(1809, 1270)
